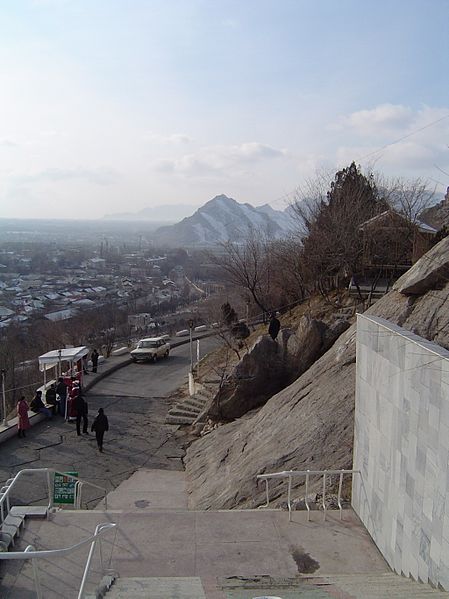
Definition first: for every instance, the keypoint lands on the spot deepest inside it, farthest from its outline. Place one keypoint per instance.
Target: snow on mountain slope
(224, 219)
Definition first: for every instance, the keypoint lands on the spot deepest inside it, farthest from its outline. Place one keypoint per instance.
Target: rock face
(253, 380)
(308, 425)
(270, 366)
(437, 216)
(431, 272)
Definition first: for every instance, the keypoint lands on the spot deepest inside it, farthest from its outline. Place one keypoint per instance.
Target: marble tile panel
(423, 570)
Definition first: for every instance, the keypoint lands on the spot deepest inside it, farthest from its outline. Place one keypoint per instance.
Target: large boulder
(430, 272)
(270, 366)
(254, 379)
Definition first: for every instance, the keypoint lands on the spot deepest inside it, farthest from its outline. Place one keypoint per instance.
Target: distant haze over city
(115, 108)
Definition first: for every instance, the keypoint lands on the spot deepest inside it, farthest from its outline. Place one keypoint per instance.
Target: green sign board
(64, 488)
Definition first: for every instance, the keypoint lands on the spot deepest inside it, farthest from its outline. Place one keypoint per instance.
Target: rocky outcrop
(437, 216)
(270, 366)
(307, 425)
(430, 272)
(253, 380)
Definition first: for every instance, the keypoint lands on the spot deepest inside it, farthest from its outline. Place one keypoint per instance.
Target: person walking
(22, 413)
(274, 326)
(81, 412)
(100, 425)
(94, 358)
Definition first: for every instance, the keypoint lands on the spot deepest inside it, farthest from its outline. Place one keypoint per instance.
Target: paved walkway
(138, 437)
(179, 543)
(105, 368)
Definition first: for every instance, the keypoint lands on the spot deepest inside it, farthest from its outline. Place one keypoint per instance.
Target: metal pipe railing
(49, 472)
(290, 474)
(33, 555)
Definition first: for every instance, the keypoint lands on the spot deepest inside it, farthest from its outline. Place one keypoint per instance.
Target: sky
(118, 105)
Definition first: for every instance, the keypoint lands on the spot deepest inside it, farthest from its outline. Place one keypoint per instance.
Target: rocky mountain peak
(224, 219)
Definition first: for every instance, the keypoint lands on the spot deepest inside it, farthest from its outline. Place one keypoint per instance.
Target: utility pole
(191, 345)
(5, 421)
(191, 379)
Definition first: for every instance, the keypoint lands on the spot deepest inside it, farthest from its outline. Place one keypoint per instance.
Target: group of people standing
(56, 399)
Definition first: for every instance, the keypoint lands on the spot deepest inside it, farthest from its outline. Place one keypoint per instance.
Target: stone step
(179, 420)
(29, 511)
(203, 396)
(181, 413)
(156, 588)
(358, 586)
(371, 586)
(193, 402)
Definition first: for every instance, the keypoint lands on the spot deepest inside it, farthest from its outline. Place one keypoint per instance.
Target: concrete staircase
(188, 410)
(13, 523)
(377, 586)
(344, 586)
(156, 588)
(162, 550)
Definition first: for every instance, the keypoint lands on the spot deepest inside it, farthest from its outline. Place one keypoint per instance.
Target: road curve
(135, 399)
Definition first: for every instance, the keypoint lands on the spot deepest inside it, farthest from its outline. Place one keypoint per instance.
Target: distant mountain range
(169, 213)
(224, 219)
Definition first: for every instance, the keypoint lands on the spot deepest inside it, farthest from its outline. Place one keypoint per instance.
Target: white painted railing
(33, 555)
(5, 491)
(290, 474)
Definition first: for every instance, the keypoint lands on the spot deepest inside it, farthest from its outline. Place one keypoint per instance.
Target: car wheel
(166, 354)
(154, 357)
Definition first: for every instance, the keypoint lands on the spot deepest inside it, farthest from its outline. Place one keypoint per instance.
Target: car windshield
(145, 344)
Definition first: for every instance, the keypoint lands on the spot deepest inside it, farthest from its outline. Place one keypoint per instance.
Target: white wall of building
(401, 447)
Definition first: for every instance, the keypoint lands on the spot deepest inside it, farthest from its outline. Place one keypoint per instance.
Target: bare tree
(407, 197)
(249, 266)
(290, 269)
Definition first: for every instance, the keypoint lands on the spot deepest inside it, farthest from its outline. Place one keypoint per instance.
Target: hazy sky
(115, 105)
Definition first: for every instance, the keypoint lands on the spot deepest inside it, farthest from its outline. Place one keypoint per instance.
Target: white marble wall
(401, 447)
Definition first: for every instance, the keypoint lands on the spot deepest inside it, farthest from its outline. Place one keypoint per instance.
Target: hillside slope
(310, 423)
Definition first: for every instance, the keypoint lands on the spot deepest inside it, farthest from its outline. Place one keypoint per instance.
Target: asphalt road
(136, 400)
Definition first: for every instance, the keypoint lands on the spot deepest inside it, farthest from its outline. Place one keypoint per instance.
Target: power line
(285, 196)
(396, 141)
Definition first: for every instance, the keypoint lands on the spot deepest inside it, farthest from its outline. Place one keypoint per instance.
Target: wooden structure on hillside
(391, 245)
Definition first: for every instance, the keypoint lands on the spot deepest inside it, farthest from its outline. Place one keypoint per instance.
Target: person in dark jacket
(81, 408)
(94, 358)
(37, 405)
(274, 326)
(50, 399)
(100, 425)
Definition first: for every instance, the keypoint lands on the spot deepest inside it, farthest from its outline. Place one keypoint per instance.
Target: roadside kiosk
(69, 365)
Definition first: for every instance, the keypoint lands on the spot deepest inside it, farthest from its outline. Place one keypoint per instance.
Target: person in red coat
(22, 413)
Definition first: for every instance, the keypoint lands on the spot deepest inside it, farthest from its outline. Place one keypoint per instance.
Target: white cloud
(174, 138)
(99, 176)
(220, 160)
(8, 143)
(384, 119)
(396, 138)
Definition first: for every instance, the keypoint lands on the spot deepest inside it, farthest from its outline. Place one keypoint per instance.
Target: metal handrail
(289, 474)
(50, 472)
(32, 554)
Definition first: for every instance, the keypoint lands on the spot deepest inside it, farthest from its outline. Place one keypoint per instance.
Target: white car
(151, 348)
